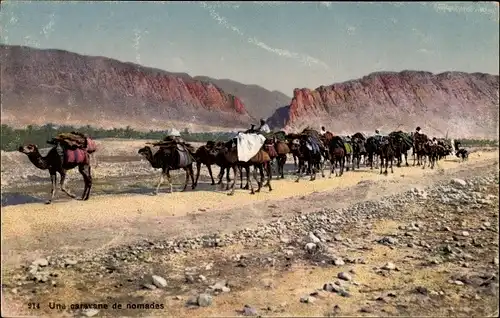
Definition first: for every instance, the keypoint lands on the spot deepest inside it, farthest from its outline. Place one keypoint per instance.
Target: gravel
(311, 234)
(314, 225)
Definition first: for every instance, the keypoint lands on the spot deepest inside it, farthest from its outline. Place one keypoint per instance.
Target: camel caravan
(259, 149)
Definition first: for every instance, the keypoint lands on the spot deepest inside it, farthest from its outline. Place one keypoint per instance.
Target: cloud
(351, 29)
(49, 27)
(137, 43)
(485, 8)
(425, 51)
(303, 58)
(325, 4)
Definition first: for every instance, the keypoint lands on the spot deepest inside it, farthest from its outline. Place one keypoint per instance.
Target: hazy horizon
(276, 45)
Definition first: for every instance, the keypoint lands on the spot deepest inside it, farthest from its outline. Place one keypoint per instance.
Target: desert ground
(412, 243)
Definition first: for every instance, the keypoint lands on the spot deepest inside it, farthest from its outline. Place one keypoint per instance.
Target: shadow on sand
(16, 198)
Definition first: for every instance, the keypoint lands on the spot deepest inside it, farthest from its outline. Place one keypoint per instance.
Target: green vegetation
(478, 143)
(12, 138)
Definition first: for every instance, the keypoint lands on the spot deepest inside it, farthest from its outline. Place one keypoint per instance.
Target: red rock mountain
(462, 104)
(41, 86)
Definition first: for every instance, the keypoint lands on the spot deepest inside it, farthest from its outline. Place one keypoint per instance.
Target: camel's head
(28, 149)
(145, 151)
(215, 148)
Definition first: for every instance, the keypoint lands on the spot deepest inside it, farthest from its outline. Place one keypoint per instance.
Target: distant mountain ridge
(260, 102)
(460, 104)
(49, 85)
(39, 86)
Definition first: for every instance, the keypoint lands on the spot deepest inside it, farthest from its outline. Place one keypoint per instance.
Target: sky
(277, 45)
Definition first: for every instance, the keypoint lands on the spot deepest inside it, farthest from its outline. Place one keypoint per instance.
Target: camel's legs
(234, 179)
(247, 172)
(228, 179)
(263, 166)
(209, 167)
(240, 169)
(186, 169)
(198, 168)
(381, 164)
(322, 165)
(63, 187)
(312, 166)
(221, 175)
(169, 180)
(256, 177)
(332, 166)
(85, 171)
(53, 180)
(269, 177)
(300, 171)
(191, 174)
(159, 182)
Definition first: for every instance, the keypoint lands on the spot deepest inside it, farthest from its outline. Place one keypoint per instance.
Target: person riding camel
(434, 141)
(418, 131)
(264, 128)
(175, 135)
(252, 129)
(322, 131)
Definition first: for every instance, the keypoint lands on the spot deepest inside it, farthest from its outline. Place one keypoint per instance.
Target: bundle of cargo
(74, 140)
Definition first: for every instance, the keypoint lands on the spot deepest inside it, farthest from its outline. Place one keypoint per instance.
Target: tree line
(12, 138)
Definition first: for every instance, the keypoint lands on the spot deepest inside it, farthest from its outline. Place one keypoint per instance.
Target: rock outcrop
(460, 104)
(259, 102)
(41, 86)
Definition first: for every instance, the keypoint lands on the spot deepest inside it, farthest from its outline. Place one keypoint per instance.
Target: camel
(348, 152)
(282, 149)
(307, 155)
(204, 155)
(358, 149)
(292, 141)
(56, 161)
(425, 149)
(372, 149)
(386, 152)
(418, 147)
(461, 152)
(401, 146)
(229, 152)
(337, 155)
(170, 158)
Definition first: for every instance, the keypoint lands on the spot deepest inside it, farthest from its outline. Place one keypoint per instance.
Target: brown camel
(230, 154)
(60, 160)
(337, 155)
(205, 155)
(282, 150)
(170, 158)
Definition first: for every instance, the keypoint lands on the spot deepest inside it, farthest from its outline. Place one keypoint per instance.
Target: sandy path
(107, 220)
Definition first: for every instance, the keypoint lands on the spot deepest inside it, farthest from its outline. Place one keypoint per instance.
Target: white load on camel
(173, 133)
(248, 145)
